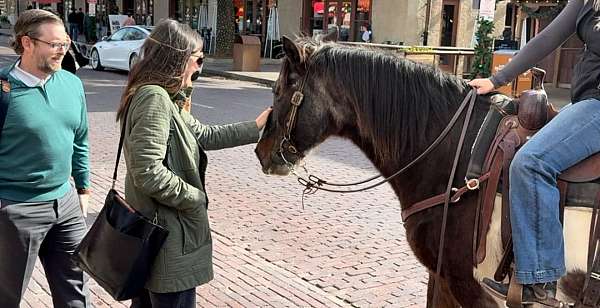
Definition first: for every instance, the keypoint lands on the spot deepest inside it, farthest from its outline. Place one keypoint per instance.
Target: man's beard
(48, 66)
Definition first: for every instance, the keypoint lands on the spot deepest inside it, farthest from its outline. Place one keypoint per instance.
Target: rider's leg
(537, 233)
(534, 198)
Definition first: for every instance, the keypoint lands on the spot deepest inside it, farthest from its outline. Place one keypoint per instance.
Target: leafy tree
(225, 28)
(482, 62)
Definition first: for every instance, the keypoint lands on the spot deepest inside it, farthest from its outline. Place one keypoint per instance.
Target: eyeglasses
(55, 45)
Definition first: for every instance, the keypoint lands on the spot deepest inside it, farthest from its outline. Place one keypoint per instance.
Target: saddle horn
(534, 109)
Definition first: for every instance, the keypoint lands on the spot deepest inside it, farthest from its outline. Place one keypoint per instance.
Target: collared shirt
(52, 120)
(27, 78)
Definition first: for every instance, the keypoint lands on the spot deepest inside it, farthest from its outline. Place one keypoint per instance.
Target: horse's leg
(444, 298)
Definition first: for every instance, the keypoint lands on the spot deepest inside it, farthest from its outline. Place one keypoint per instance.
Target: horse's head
(302, 109)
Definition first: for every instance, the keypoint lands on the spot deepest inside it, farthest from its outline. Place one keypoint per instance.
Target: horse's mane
(398, 101)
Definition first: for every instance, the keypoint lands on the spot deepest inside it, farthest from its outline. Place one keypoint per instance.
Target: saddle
(509, 125)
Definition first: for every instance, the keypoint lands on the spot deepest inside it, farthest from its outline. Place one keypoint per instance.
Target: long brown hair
(164, 57)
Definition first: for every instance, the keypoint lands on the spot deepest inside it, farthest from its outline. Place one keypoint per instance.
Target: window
(135, 35)
(118, 36)
(350, 17)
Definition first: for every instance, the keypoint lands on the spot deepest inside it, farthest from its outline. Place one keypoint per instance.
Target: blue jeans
(534, 198)
(74, 31)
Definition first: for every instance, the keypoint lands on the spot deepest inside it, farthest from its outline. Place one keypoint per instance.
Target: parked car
(121, 50)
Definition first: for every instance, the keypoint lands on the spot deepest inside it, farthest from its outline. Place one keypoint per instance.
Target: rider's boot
(541, 293)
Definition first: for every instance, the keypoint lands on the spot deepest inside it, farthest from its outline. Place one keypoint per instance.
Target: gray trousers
(50, 230)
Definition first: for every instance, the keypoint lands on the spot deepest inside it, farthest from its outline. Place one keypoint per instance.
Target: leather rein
(313, 183)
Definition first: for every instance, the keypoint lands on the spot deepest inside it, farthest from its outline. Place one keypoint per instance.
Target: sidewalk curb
(230, 75)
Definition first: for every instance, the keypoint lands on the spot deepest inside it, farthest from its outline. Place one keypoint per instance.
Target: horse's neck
(430, 176)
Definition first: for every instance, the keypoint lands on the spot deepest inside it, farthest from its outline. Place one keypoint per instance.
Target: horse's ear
(291, 50)
(332, 36)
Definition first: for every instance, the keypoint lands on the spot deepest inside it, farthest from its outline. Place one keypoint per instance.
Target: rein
(313, 183)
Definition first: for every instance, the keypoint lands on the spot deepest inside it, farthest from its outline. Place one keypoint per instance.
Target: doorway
(450, 10)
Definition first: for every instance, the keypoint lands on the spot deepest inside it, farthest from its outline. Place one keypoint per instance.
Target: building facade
(399, 22)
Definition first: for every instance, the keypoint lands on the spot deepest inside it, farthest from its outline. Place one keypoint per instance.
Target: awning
(319, 7)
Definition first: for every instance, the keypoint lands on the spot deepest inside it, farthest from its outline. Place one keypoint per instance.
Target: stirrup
(513, 295)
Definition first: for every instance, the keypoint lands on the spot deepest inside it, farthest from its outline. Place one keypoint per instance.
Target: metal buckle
(292, 149)
(297, 98)
(472, 184)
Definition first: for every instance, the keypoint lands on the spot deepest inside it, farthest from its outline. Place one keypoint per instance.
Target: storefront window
(188, 12)
(349, 17)
(144, 12)
(251, 16)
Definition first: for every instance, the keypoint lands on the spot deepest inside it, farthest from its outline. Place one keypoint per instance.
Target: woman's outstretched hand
(261, 120)
(483, 85)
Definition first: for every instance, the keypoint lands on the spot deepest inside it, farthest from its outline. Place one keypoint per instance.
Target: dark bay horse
(392, 109)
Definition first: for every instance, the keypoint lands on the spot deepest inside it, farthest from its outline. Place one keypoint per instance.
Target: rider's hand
(261, 120)
(483, 85)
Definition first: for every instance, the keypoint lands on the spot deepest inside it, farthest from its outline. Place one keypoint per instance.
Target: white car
(121, 50)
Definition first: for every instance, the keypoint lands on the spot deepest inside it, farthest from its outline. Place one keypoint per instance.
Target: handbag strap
(122, 139)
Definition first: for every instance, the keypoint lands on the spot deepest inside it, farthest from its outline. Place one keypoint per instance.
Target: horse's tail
(572, 284)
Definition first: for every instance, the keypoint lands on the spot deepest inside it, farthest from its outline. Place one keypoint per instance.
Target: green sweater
(44, 139)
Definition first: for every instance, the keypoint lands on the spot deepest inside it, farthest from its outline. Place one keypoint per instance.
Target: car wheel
(95, 60)
(133, 60)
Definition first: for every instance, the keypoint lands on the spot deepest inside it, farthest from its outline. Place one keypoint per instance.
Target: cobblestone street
(337, 251)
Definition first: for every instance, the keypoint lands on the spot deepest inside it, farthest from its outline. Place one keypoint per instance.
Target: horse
(392, 109)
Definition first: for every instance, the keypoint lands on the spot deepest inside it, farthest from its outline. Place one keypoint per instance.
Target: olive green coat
(174, 193)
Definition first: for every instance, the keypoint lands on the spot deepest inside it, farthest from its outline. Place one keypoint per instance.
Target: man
(80, 20)
(129, 21)
(73, 26)
(43, 142)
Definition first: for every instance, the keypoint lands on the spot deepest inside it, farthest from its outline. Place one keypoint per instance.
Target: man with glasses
(43, 143)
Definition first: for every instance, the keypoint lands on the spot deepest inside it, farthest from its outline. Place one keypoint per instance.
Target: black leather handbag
(119, 249)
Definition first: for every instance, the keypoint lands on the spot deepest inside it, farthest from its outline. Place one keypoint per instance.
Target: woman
(567, 139)
(164, 150)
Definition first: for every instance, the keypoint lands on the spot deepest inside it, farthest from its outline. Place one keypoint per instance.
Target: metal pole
(427, 17)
